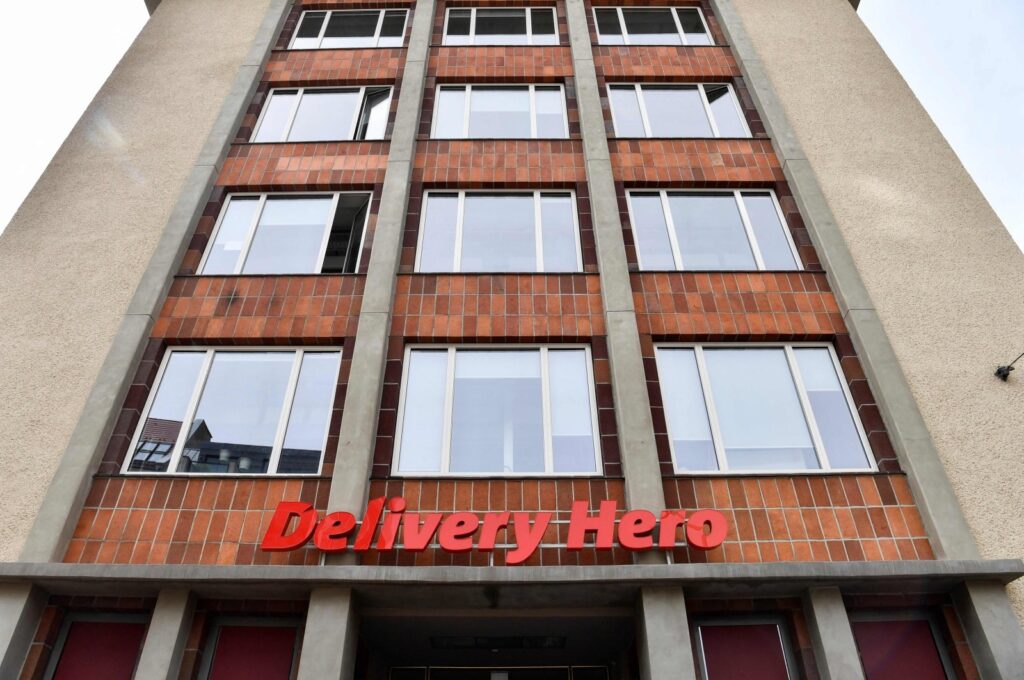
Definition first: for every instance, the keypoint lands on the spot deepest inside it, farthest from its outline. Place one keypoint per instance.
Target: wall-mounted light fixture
(1003, 372)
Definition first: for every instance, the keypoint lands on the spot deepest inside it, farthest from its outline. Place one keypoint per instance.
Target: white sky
(965, 62)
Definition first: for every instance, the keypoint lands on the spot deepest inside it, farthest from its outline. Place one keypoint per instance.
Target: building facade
(508, 340)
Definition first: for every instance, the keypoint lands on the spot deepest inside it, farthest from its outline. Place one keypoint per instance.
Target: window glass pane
(676, 112)
(373, 120)
(550, 107)
(759, 413)
(499, 233)
(651, 26)
(608, 28)
(769, 232)
(542, 20)
(235, 424)
(650, 229)
(725, 110)
(693, 27)
(499, 112)
(572, 429)
(458, 27)
(392, 30)
(168, 412)
(308, 35)
(745, 651)
(325, 116)
(423, 417)
(500, 26)
(626, 112)
(898, 650)
(686, 413)
(234, 229)
(710, 232)
(346, 234)
(437, 246)
(253, 652)
(276, 115)
(310, 413)
(289, 237)
(451, 111)
(100, 650)
(831, 409)
(351, 29)
(497, 424)
(558, 233)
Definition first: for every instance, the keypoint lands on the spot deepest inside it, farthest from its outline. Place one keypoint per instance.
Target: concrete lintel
(993, 630)
(834, 647)
(663, 635)
(166, 636)
(329, 640)
(21, 605)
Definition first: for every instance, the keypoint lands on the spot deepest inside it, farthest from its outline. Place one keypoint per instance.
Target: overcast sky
(965, 62)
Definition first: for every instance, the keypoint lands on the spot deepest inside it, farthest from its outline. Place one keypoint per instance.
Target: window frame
(929, 616)
(538, 194)
(675, 18)
(813, 431)
(197, 393)
(748, 228)
(779, 621)
(449, 395)
(254, 225)
(327, 19)
(300, 92)
(88, 617)
(472, 27)
(645, 121)
(219, 622)
(468, 106)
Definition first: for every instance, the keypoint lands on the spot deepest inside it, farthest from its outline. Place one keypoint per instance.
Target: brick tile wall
(500, 64)
(694, 162)
(498, 164)
(659, 63)
(304, 167)
(292, 68)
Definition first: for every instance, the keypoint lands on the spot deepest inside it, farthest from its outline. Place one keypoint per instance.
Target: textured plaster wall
(75, 250)
(942, 271)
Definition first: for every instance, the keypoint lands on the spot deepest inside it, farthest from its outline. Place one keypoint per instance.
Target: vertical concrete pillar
(329, 642)
(20, 608)
(663, 632)
(834, 646)
(992, 629)
(165, 639)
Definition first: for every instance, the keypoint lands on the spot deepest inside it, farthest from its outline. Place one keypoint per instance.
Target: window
(744, 648)
(355, 28)
(704, 230)
(501, 232)
(242, 648)
(899, 645)
(288, 234)
(97, 647)
(500, 112)
(500, 26)
(248, 412)
(676, 111)
(497, 412)
(778, 408)
(324, 114)
(651, 26)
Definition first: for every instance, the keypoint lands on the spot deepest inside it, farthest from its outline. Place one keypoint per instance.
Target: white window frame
(449, 401)
(327, 19)
(675, 18)
(467, 107)
(638, 87)
(805, 407)
(744, 216)
(197, 393)
(251, 234)
(472, 26)
(538, 194)
(779, 622)
(301, 91)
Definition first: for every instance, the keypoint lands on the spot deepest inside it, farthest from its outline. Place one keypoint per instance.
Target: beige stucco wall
(75, 250)
(943, 273)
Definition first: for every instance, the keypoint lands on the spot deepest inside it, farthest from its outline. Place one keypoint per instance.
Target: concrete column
(663, 634)
(167, 634)
(329, 643)
(20, 608)
(834, 646)
(992, 629)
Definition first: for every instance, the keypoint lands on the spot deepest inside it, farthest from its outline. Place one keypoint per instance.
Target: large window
(324, 114)
(516, 411)
(739, 647)
(651, 26)
(350, 28)
(782, 408)
(500, 112)
(250, 648)
(705, 110)
(499, 232)
(288, 234)
(500, 26)
(703, 230)
(94, 646)
(900, 645)
(237, 412)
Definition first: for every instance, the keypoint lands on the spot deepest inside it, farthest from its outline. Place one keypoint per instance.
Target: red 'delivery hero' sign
(294, 524)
